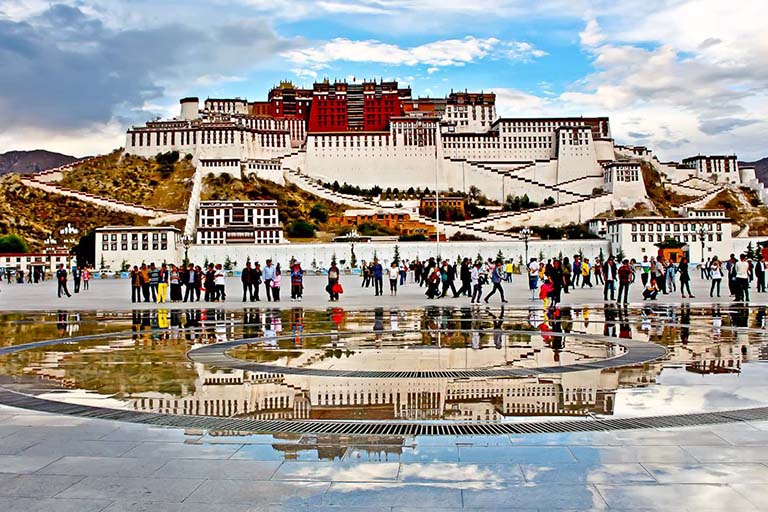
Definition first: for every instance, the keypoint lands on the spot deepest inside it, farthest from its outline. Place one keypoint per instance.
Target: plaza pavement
(115, 294)
(57, 463)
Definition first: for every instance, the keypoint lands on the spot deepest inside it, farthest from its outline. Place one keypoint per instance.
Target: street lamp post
(526, 234)
(702, 234)
(187, 241)
(69, 238)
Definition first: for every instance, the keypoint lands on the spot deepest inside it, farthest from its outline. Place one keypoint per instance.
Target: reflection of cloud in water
(679, 391)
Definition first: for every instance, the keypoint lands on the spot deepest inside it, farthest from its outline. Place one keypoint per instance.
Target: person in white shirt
(394, 274)
(477, 285)
(742, 279)
(716, 275)
(219, 282)
(533, 277)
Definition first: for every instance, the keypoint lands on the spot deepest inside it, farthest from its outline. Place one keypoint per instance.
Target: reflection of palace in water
(236, 393)
(277, 396)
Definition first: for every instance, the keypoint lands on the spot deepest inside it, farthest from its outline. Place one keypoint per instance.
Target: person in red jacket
(625, 275)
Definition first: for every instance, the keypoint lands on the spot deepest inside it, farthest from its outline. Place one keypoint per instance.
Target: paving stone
(586, 473)
(35, 486)
(294, 494)
(415, 496)
(24, 463)
(446, 472)
(181, 451)
(543, 497)
(337, 471)
(80, 448)
(103, 466)
(123, 488)
(218, 469)
(674, 497)
(151, 506)
(516, 454)
(617, 455)
(727, 454)
(51, 505)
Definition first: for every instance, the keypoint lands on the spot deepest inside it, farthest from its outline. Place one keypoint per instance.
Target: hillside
(35, 214)
(28, 162)
(295, 204)
(761, 169)
(135, 180)
(744, 208)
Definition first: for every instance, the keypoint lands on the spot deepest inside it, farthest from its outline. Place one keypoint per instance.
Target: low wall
(321, 254)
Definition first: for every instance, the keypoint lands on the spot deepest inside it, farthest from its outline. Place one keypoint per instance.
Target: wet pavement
(714, 360)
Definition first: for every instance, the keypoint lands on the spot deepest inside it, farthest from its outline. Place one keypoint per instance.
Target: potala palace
(377, 133)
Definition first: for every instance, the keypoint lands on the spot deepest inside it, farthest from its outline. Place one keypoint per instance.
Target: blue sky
(681, 76)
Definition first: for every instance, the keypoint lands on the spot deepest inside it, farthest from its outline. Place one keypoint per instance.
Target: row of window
(679, 238)
(674, 226)
(162, 246)
(105, 237)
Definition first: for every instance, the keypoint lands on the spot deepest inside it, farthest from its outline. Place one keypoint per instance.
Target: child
(651, 290)
(276, 286)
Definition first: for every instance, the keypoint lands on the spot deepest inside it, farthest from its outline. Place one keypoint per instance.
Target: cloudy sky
(681, 76)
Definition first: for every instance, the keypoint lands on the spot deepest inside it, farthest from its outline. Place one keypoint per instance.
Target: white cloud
(216, 79)
(433, 69)
(304, 73)
(448, 52)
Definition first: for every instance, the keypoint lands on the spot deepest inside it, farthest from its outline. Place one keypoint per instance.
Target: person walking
(567, 276)
(685, 277)
(433, 283)
(465, 275)
(365, 274)
(716, 276)
(585, 273)
(162, 283)
(135, 284)
(378, 277)
(477, 279)
(449, 273)
(533, 277)
(394, 274)
(597, 269)
(624, 274)
(61, 279)
(497, 275)
(333, 282)
(576, 270)
(268, 274)
(297, 281)
(609, 273)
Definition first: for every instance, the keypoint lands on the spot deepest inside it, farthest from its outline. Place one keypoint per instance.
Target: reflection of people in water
(498, 333)
(61, 322)
(740, 316)
(337, 317)
(685, 323)
(394, 320)
(378, 319)
(297, 325)
(625, 330)
(609, 328)
(760, 319)
(717, 322)
(558, 338)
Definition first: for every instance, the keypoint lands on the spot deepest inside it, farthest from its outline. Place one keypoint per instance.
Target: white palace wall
(323, 253)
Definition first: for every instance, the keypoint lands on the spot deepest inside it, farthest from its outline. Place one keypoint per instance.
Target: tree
(227, 263)
(13, 243)
(396, 258)
(352, 257)
(319, 213)
(333, 259)
(499, 256)
(751, 251)
(301, 229)
(549, 201)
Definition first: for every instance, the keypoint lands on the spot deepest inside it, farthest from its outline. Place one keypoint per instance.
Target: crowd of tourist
(476, 279)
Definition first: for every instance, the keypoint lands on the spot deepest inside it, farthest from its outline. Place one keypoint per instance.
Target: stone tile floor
(57, 463)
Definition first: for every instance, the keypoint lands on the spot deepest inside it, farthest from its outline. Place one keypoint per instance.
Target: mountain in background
(28, 162)
(761, 169)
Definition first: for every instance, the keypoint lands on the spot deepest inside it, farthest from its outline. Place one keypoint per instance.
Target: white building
(719, 168)
(238, 222)
(638, 237)
(135, 245)
(47, 261)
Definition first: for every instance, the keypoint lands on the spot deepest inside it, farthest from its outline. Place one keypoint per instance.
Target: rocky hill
(35, 214)
(28, 162)
(133, 179)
